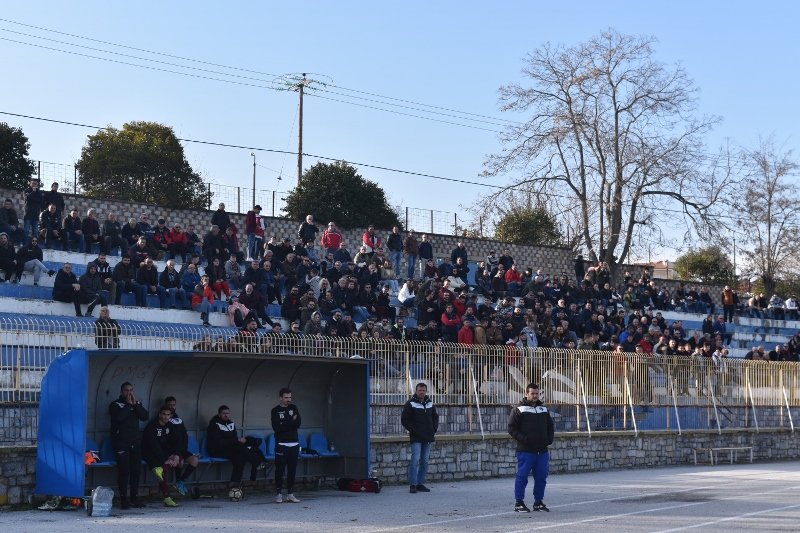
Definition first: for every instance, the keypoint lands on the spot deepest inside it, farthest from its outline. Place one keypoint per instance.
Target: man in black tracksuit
(285, 422)
(160, 450)
(531, 427)
(421, 420)
(126, 412)
(224, 441)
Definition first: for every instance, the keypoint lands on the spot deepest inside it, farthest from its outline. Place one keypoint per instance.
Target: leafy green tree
(142, 162)
(528, 225)
(335, 191)
(15, 167)
(705, 265)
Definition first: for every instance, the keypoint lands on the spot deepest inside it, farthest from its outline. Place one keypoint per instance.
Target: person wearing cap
(161, 240)
(9, 222)
(254, 229)
(220, 218)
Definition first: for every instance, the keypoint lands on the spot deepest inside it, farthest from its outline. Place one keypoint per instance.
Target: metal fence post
(39, 171)
(75, 180)
(273, 204)
(455, 223)
(238, 199)
(431, 220)
(406, 218)
(209, 195)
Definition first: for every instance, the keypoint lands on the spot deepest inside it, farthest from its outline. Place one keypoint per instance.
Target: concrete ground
(724, 498)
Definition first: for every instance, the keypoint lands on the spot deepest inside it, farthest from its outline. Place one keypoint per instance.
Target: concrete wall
(470, 457)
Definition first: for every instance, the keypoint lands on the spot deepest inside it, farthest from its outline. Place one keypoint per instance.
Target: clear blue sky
(742, 55)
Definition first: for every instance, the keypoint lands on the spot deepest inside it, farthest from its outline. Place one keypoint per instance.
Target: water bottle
(101, 501)
(331, 447)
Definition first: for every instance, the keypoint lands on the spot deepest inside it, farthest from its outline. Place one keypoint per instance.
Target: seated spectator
(790, 306)
(705, 302)
(342, 255)
(50, 232)
(233, 272)
(106, 331)
(147, 276)
(178, 243)
(8, 258)
(124, 275)
(66, 287)
(240, 315)
(29, 259)
(9, 222)
(513, 279)
(230, 240)
(460, 271)
(290, 310)
(161, 240)
(202, 299)
(91, 284)
(130, 233)
(216, 273)
(254, 301)
(140, 252)
(73, 231)
(193, 240)
(91, 231)
(775, 307)
(213, 245)
(112, 236)
(106, 274)
(170, 280)
(144, 229)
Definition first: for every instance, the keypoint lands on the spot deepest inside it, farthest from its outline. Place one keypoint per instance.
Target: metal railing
(475, 385)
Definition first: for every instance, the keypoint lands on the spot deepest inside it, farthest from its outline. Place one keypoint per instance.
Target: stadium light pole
(254, 179)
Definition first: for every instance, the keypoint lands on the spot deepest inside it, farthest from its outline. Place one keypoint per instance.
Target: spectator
(190, 278)
(170, 280)
(308, 230)
(775, 307)
(8, 258)
(219, 283)
(331, 239)
(389, 276)
(34, 205)
(193, 241)
(213, 245)
(233, 272)
(411, 248)
(91, 231)
(220, 218)
(342, 255)
(240, 315)
(728, 303)
(130, 233)
(112, 235)
(161, 239)
(705, 301)
(67, 289)
(124, 275)
(56, 198)
(178, 243)
(140, 252)
(395, 245)
(106, 331)
(91, 284)
(254, 301)
(147, 276)
(106, 273)
(203, 299)
(790, 306)
(290, 310)
(407, 296)
(50, 231)
(459, 251)
(466, 335)
(370, 240)
(9, 223)
(254, 229)
(73, 231)
(230, 240)
(143, 227)
(29, 259)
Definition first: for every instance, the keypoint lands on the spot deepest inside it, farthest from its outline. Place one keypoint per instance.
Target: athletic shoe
(291, 498)
(169, 502)
(540, 506)
(180, 486)
(520, 507)
(159, 473)
(413, 489)
(51, 504)
(279, 498)
(422, 488)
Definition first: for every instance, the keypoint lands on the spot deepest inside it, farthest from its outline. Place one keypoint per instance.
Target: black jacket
(106, 334)
(62, 286)
(285, 422)
(531, 426)
(125, 423)
(420, 419)
(221, 436)
(158, 443)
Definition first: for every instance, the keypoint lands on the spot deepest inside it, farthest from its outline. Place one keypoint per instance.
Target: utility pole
(299, 86)
(254, 179)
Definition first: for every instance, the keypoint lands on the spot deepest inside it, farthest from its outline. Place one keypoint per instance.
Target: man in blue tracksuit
(531, 426)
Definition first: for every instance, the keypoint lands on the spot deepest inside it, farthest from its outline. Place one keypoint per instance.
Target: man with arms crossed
(285, 422)
(126, 412)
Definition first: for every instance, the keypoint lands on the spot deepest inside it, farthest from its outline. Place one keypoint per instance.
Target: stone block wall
(17, 474)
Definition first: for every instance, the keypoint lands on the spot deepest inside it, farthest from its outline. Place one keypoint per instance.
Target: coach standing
(419, 417)
(126, 412)
(531, 426)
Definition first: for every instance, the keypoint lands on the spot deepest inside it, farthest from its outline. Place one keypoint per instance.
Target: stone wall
(17, 474)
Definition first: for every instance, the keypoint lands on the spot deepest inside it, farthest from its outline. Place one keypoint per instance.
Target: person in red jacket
(254, 229)
(513, 280)
(450, 324)
(203, 298)
(178, 243)
(466, 335)
(331, 239)
(371, 240)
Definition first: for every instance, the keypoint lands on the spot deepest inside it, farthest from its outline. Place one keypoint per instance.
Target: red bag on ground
(372, 484)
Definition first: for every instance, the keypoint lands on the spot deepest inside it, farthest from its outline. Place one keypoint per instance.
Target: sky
(447, 55)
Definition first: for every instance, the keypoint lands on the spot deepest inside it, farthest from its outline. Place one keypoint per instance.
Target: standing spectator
(29, 259)
(126, 412)
(67, 289)
(728, 303)
(220, 218)
(112, 236)
(91, 284)
(286, 421)
(506, 259)
(580, 269)
(56, 198)
(106, 275)
(371, 240)
(420, 419)
(411, 248)
(73, 231)
(395, 245)
(531, 426)
(91, 231)
(34, 205)
(331, 239)
(8, 258)
(308, 230)
(170, 280)
(425, 249)
(254, 229)
(147, 276)
(124, 275)
(9, 222)
(459, 251)
(213, 245)
(106, 331)
(50, 231)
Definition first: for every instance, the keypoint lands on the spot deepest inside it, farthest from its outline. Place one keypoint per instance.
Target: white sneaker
(292, 498)
(279, 498)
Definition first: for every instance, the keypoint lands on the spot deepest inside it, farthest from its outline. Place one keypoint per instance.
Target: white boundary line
(729, 518)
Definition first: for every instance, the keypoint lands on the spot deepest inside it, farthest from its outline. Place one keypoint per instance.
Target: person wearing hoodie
(531, 426)
(91, 284)
(421, 420)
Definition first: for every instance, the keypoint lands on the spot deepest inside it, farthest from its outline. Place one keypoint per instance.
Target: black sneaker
(520, 507)
(422, 488)
(540, 506)
(413, 489)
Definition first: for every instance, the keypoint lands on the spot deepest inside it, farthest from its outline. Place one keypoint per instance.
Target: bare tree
(611, 143)
(771, 224)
